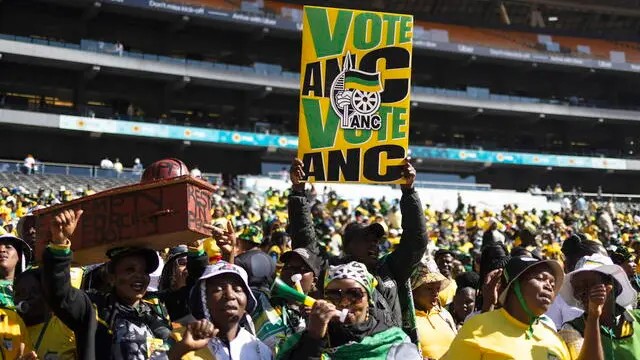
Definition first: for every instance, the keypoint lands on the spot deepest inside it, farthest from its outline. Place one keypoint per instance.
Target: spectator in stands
(196, 173)
(130, 111)
(122, 324)
(29, 165)
(360, 242)
(118, 48)
(620, 330)
(173, 278)
(574, 248)
(621, 256)
(259, 266)
(117, 166)
(26, 230)
(137, 167)
(222, 296)
(515, 329)
(436, 327)
(16, 342)
(106, 164)
(464, 301)
(52, 338)
(13, 254)
(445, 258)
(366, 333)
(274, 330)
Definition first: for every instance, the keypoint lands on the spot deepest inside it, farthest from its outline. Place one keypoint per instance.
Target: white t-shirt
(245, 346)
(106, 164)
(29, 162)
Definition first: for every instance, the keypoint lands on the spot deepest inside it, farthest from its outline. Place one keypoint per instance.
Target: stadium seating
(54, 182)
(439, 199)
(504, 39)
(272, 70)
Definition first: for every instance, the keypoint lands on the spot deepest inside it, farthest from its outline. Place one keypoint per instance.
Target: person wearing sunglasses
(361, 243)
(365, 333)
(276, 318)
(174, 277)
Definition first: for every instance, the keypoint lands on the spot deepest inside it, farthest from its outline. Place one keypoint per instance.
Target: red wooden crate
(156, 215)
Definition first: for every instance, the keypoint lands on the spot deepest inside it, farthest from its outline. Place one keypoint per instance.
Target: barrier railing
(49, 168)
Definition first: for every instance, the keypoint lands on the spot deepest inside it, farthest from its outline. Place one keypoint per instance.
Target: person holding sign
(121, 324)
(360, 242)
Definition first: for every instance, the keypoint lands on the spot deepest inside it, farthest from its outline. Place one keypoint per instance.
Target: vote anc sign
(354, 95)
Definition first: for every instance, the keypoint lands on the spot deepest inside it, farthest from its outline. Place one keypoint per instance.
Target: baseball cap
(118, 253)
(519, 265)
(355, 230)
(312, 260)
(177, 251)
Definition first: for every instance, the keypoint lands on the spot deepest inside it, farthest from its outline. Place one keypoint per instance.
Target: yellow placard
(354, 95)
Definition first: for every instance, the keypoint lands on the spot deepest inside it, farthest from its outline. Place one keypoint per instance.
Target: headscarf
(354, 271)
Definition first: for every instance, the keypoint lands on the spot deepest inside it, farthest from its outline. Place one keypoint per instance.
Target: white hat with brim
(602, 264)
(520, 264)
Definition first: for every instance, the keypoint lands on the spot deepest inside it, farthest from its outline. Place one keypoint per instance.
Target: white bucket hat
(602, 264)
(197, 296)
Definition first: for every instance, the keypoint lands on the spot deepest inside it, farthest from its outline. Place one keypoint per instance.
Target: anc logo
(355, 97)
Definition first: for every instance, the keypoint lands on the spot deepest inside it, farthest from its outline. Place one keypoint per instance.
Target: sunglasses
(296, 269)
(335, 296)
(181, 261)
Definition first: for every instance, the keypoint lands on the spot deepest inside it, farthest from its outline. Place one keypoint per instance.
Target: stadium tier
(485, 100)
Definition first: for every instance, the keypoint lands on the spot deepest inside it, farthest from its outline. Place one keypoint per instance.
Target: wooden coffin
(157, 215)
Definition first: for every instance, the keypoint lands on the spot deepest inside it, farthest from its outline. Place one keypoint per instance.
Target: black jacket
(309, 348)
(393, 271)
(84, 313)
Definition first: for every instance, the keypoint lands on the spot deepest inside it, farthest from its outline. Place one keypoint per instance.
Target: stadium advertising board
(354, 95)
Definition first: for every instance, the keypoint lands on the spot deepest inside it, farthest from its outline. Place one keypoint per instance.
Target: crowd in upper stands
(307, 275)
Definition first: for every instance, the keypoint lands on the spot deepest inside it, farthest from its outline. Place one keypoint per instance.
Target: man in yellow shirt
(51, 338)
(514, 331)
(444, 258)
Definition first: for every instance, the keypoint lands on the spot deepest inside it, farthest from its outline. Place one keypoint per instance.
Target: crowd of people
(303, 274)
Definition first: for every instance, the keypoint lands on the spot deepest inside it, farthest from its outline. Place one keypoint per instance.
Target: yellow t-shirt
(58, 340)
(447, 294)
(496, 335)
(436, 331)
(13, 332)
